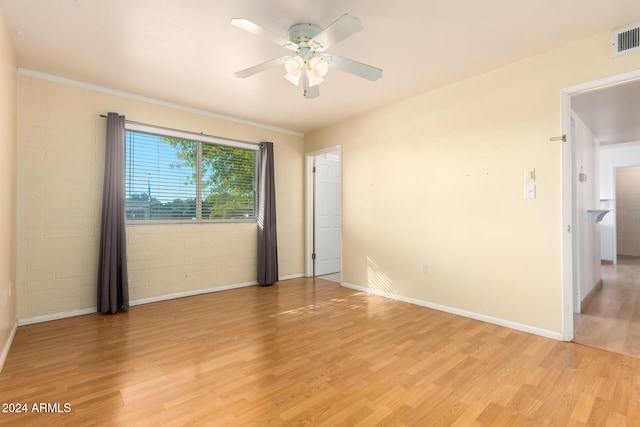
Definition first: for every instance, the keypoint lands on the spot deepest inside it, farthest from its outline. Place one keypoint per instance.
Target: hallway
(611, 320)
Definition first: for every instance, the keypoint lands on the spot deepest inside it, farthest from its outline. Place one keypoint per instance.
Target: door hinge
(314, 169)
(313, 256)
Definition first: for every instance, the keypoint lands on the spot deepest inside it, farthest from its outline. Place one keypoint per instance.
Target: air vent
(626, 40)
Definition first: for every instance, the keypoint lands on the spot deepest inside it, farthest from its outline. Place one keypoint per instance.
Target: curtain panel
(113, 285)
(267, 235)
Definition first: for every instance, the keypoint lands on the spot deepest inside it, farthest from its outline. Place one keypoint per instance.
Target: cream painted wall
(587, 193)
(8, 70)
(60, 173)
(438, 179)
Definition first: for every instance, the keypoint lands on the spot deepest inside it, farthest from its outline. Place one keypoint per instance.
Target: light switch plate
(530, 191)
(529, 174)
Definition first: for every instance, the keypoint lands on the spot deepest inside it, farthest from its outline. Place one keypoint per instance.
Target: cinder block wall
(61, 165)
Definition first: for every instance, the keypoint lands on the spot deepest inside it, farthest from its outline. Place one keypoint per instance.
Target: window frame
(199, 139)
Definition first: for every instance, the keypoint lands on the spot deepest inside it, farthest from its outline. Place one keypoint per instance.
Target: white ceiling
(612, 113)
(185, 52)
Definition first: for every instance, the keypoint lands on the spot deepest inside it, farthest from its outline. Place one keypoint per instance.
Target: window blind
(171, 178)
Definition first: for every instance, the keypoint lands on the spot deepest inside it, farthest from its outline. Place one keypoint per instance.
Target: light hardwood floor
(333, 277)
(309, 352)
(611, 319)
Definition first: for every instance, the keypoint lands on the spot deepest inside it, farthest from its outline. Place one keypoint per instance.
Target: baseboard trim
(55, 316)
(73, 313)
(194, 292)
(606, 262)
(175, 295)
(291, 276)
(496, 321)
(585, 301)
(7, 345)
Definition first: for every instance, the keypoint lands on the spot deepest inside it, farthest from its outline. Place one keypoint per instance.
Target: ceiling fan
(310, 62)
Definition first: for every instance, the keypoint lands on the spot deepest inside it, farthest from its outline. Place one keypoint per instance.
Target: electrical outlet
(424, 268)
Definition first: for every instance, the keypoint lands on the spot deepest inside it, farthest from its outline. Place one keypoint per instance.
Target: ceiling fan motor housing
(300, 34)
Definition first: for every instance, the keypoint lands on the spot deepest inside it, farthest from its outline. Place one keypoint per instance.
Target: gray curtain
(267, 236)
(113, 285)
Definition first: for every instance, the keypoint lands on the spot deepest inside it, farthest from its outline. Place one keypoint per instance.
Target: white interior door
(327, 214)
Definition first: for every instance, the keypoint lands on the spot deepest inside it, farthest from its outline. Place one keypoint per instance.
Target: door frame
(309, 198)
(569, 236)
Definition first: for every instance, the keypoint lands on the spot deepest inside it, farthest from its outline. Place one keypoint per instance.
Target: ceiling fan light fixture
(295, 80)
(294, 67)
(313, 79)
(317, 68)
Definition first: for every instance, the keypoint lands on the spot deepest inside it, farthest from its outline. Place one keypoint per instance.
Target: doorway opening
(621, 237)
(581, 244)
(324, 214)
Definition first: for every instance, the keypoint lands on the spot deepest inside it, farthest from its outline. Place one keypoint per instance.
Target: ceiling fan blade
(338, 30)
(357, 68)
(261, 67)
(257, 30)
(310, 92)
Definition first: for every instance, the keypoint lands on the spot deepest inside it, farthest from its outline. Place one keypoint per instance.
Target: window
(173, 176)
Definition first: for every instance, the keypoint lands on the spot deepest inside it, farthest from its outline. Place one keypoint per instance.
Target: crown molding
(101, 89)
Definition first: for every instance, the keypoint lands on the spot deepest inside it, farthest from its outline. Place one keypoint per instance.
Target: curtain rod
(162, 127)
(186, 131)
